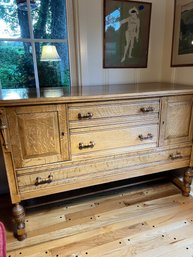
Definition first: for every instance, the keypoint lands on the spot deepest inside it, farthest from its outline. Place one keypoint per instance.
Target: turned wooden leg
(188, 176)
(19, 220)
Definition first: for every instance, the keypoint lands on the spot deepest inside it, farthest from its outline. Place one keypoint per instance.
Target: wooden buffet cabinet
(93, 135)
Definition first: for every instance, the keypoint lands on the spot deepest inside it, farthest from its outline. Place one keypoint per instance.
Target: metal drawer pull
(89, 116)
(148, 109)
(149, 136)
(90, 145)
(41, 181)
(176, 156)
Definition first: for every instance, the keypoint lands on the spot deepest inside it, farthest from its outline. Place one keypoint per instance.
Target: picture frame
(182, 43)
(126, 33)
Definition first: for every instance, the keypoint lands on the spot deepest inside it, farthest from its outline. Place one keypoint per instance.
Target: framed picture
(182, 45)
(126, 33)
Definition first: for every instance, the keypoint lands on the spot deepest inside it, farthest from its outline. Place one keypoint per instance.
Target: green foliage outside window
(16, 60)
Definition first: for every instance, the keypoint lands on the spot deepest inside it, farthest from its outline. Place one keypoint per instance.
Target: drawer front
(117, 137)
(85, 173)
(88, 114)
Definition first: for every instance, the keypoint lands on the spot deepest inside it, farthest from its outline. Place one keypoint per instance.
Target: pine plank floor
(152, 220)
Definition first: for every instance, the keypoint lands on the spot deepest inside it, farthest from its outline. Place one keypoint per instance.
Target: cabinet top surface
(24, 96)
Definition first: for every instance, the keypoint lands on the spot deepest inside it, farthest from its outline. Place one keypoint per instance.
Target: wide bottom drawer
(73, 175)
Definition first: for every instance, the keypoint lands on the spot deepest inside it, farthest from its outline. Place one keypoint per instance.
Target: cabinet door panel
(176, 120)
(38, 134)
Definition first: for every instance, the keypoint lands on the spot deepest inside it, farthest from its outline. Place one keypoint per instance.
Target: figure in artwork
(126, 33)
(131, 33)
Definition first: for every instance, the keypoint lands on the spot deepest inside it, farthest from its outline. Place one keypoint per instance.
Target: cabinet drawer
(85, 173)
(122, 138)
(133, 110)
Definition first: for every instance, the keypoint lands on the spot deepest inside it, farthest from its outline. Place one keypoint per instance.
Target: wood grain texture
(88, 138)
(148, 221)
(109, 168)
(106, 138)
(7, 156)
(176, 120)
(19, 222)
(40, 134)
(28, 192)
(96, 93)
(128, 110)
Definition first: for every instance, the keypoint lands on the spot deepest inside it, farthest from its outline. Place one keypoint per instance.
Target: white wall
(183, 75)
(89, 22)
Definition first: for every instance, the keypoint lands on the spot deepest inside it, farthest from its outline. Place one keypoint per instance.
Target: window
(34, 44)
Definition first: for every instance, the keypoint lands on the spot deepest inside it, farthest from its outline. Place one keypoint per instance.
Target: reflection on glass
(112, 20)
(56, 92)
(16, 66)
(49, 53)
(13, 21)
(12, 95)
(49, 19)
(21, 93)
(53, 64)
(24, 93)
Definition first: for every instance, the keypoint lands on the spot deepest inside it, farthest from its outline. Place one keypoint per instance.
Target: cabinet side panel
(7, 155)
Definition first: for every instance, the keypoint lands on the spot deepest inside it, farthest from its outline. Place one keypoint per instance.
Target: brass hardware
(3, 129)
(89, 116)
(149, 136)
(41, 181)
(90, 145)
(175, 156)
(148, 109)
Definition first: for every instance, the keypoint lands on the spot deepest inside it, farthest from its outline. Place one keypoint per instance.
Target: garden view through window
(33, 44)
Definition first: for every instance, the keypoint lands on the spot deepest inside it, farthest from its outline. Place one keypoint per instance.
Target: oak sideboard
(55, 141)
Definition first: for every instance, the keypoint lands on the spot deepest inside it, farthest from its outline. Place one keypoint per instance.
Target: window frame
(69, 40)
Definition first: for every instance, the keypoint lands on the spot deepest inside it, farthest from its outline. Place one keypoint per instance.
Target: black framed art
(182, 44)
(126, 33)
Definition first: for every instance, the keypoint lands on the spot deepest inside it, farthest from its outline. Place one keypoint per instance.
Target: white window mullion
(35, 69)
(75, 73)
(35, 40)
(16, 39)
(51, 40)
(33, 49)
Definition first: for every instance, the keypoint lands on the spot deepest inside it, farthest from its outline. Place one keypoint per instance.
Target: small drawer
(117, 137)
(132, 110)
